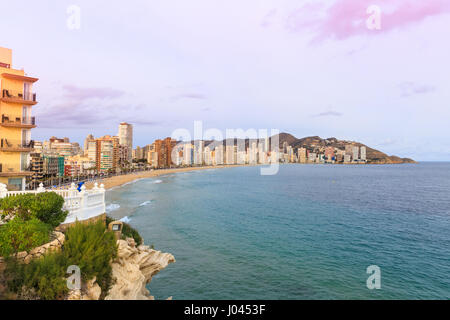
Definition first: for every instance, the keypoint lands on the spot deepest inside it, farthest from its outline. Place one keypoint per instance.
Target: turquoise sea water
(308, 232)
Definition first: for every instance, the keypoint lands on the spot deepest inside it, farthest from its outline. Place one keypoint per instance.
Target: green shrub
(22, 235)
(42, 278)
(129, 232)
(48, 207)
(45, 206)
(92, 249)
(17, 206)
(87, 246)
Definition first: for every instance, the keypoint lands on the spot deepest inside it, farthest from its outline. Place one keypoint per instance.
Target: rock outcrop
(58, 239)
(134, 268)
(89, 291)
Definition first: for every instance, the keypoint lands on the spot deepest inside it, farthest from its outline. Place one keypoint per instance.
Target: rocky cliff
(132, 270)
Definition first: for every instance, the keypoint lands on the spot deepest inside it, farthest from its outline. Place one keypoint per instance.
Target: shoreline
(118, 181)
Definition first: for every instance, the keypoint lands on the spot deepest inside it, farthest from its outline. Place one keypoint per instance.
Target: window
(15, 184)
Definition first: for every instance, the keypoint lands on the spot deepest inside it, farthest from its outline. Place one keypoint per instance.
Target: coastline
(121, 180)
(117, 181)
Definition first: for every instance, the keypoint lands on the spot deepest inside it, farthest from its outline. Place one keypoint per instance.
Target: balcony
(7, 145)
(18, 122)
(10, 170)
(11, 96)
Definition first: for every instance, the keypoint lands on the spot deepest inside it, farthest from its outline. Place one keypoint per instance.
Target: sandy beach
(120, 180)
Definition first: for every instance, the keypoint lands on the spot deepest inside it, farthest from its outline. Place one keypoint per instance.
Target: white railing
(81, 205)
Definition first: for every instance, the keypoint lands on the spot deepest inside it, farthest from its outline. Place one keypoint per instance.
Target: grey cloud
(328, 114)
(198, 96)
(81, 94)
(410, 88)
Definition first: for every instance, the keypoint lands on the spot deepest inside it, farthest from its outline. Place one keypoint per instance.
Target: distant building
(126, 138)
(229, 154)
(349, 149)
(107, 154)
(347, 158)
(219, 154)
(363, 155)
(301, 152)
(329, 155)
(90, 137)
(355, 153)
(37, 168)
(188, 151)
(164, 150)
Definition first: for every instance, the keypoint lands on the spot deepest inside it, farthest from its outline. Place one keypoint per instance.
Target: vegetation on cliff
(88, 246)
(28, 220)
(22, 235)
(46, 206)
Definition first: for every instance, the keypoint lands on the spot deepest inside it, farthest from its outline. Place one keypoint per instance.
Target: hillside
(313, 143)
(317, 144)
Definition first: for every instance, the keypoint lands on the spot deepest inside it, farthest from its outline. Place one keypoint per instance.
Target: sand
(120, 180)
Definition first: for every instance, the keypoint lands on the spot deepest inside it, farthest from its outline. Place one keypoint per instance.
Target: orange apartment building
(16, 122)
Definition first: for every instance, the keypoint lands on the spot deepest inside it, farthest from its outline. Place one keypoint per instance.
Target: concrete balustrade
(81, 205)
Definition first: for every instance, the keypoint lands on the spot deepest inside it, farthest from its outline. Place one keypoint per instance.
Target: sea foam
(125, 219)
(145, 203)
(112, 207)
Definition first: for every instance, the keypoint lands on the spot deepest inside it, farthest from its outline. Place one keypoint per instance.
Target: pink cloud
(268, 19)
(347, 18)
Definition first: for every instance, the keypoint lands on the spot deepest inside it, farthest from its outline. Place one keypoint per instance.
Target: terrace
(18, 122)
(7, 145)
(28, 98)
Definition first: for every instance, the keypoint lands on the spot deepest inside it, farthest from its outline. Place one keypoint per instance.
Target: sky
(338, 68)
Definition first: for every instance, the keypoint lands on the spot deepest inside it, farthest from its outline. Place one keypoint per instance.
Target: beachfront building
(61, 146)
(330, 156)
(199, 147)
(363, 154)
(355, 154)
(163, 149)
(126, 140)
(16, 101)
(219, 154)
(78, 165)
(107, 154)
(89, 138)
(301, 153)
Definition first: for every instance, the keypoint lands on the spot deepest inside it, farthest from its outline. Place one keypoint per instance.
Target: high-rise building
(229, 154)
(355, 153)
(187, 154)
(107, 153)
(164, 150)
(363, 152)
(219, 154)
(199, 147)
(301, 152)
(37, 167)
(16, 101)
(126, 137)
(90, 137)
(253, 153)
(349, 149)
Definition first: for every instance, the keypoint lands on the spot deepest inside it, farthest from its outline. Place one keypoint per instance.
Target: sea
(308, 232)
